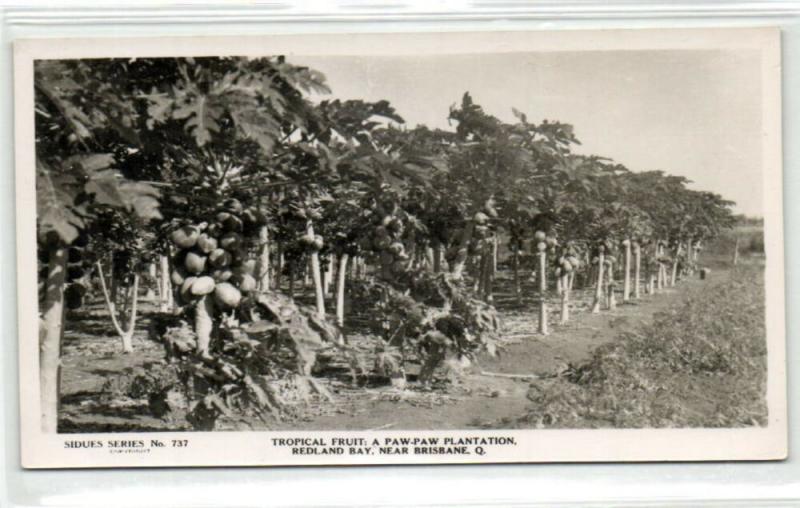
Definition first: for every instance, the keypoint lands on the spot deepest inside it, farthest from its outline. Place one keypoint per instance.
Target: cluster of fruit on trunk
(212, 268)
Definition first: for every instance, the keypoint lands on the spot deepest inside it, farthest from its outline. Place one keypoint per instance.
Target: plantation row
(221, 185)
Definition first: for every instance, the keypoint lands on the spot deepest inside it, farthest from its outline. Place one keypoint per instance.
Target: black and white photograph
(401, 248)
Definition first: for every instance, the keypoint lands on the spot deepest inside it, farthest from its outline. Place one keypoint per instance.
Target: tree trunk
(342, 272)
(637, 270)
(517, 282)
(736, 252)
(166, 290)
(204, 324)
(494, 255)
(437, 256)
(565, 298)
(263, 275)
(279, 267)
(291, 280)
(487, 274)
(462, 253)
(674, 274)
(328, 276)
(626, 284)
(598, 293)
(611, 298)
(114, 284)
(50, 336)
(125, 335)
(660, 266)
(315, 275)
(543, 292)
(153, 276)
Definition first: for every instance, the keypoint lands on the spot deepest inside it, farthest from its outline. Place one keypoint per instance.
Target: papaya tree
(84, 131)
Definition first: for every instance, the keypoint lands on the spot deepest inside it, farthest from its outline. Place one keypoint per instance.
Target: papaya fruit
(247, 282)
(254, 216)
(566, 266)
(480, 232)
(395, 226)
(74, 255)
(206, 243)
(381, 243)
(233, 206)
(222, 274)
(232, 224)
(246, 267)
(186, 287)
(539, 236)
(226, 295)
(490, 210)
(214, 229)
(202, 286)
(381, 232)
(185, 237)
(396, 248)
(82, 240)
(318, 243)
(481, 218)
(178, 275)
(541, 246)
(195, 262)
(220, 258)
(230, 241)
(75, 272)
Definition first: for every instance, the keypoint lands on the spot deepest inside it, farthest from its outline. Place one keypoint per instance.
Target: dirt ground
(492, 393)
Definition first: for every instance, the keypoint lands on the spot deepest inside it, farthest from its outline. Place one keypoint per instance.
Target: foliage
(434, 317)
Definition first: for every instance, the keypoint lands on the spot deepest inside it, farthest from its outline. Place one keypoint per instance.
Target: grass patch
(699, 364)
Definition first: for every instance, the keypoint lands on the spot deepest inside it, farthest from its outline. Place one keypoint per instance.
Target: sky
(695, 113)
